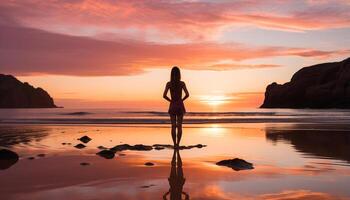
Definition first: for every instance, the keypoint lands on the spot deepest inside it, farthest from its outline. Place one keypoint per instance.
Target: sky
(119, 53)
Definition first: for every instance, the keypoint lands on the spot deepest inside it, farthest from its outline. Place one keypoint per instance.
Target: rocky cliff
(15, 94)
(324, 85)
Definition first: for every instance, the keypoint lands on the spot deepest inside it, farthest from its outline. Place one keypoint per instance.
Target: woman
(176, 108)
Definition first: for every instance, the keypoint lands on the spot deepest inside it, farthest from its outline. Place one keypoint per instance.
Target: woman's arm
(186, 92)
(164, 196)
(165, 93)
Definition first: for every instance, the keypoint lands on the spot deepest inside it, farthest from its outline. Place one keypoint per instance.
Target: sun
(215, 100)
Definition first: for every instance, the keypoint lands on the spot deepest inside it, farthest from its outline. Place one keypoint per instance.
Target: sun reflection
(215, 130)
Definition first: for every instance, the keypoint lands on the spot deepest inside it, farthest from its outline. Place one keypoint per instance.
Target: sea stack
(324, 85)
(15, 94)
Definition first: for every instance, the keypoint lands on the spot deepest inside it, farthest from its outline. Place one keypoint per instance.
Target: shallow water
(115, 116)
(291, 161)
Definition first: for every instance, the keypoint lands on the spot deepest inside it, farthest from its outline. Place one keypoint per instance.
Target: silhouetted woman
(176, 179)
(176, 108)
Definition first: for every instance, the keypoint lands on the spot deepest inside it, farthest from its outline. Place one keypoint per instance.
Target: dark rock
(63, 143)
(121, 147)
(149, 164)
(137, 147)
(168, 146)
(108, 154)
(7, 158)
(159, 148)
(15, 94)
(192, 146)
(236, 164)
(80, 146)
(102, 147)
(162, 146)
(84, 164)
(85, 139)
(31, 158)
(141, 147)
(324, 85)
(41, 155)
(121, 154)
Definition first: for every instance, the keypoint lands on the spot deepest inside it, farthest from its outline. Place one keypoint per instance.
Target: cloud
(175, 20)
(28, 51)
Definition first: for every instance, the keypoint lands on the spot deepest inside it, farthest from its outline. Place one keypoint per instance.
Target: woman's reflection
(176, 179)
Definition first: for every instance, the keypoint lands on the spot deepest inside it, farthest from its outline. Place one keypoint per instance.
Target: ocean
(117, 116)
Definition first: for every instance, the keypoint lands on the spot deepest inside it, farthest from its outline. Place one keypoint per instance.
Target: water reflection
(331, 144)
(176, 179)
(11, 136)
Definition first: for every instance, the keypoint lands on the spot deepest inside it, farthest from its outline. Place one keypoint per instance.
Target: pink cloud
(26, 51)
(167, 20)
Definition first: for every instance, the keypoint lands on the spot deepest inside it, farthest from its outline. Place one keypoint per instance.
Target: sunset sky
(118, 53)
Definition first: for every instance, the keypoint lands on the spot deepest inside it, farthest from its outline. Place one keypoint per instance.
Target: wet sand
(291, 161)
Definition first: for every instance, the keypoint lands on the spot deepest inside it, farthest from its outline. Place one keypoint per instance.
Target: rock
(41, 155)
(15, 94)
(80, 146)
(159, 148)
(137, 147)
(63, 143)
(7, 158)
(149, 164)
(121, 147)
(162, 146)
(84, 164)
(108, 154)
(168, 146)
(192, 146)
(31, 158)
(141, 147)
(200, 146)
(236, 164)
(102, 147)
(85, 139)
(324, 85)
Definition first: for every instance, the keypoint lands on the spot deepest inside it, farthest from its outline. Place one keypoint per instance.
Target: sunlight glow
(215, 100)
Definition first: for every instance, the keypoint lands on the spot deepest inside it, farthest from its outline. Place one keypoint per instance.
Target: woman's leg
(173, 128)
(179, 128)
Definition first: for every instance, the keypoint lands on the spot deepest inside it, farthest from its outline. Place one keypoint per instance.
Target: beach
(291, 160)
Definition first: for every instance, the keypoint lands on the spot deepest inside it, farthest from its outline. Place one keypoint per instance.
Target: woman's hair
(175, 75)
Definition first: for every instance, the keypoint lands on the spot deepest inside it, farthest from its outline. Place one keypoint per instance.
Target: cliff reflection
(11, 136)
(331, 144)
(176, 179)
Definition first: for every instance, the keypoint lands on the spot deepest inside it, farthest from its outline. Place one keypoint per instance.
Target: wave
(166, 121)
(77, 113)
(113, 116)
(156, 113)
